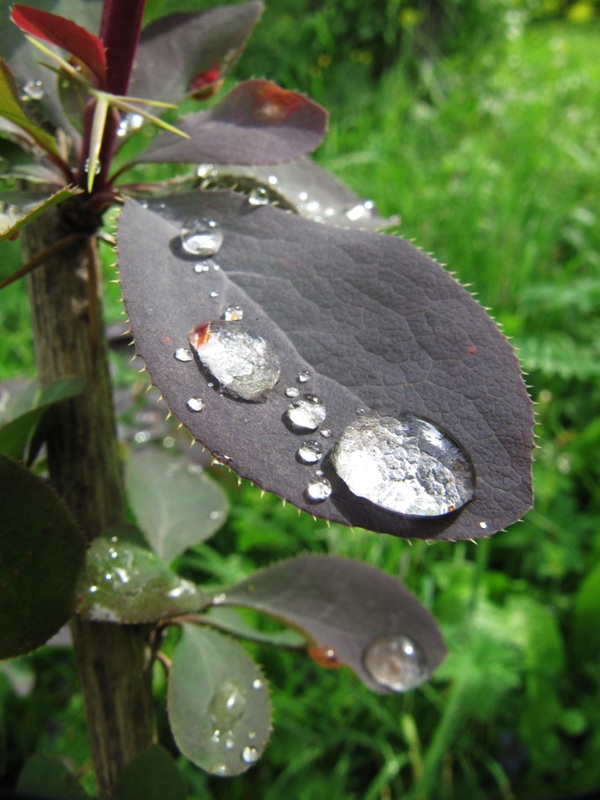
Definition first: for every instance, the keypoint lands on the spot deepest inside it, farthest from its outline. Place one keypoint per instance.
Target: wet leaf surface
(41, 553)
(257, 123)
(175, 502)
(360, 320)
(344, 606)
(219, 707)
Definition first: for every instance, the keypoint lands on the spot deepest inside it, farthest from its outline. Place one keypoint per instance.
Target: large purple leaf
(175, 50)
(374, 323)
(356, 615)
(257, 123)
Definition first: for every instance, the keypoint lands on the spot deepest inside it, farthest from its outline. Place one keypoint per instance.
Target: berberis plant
(340, 368)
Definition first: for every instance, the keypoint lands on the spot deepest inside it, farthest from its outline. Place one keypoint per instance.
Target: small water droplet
(258, 196)
(303, 377)
(33, 90)
(213, 294)
(318, 490)
(220, 769)
(250, 755)
(129, 123)
(404, 465)
(216, 737)
(309, 452)
(325, 433)
(219, 599)
(201, 267)
(396, 662)
(195, 404)
(360, 411)
(257, 684)
(272, 180)
(97, 168)
(206, 171)
(93, 589)
(243, 362)
(183, 354)
(483, 525)
(306, 413)
(292, 391)
(227, 706)
(303, 196)
(202, 237)
(233, 314)
(252, 735)
(361, 211)
(229, 741)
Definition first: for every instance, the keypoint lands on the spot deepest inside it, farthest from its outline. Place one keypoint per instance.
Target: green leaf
(229, 621)
(152, 776)
(19, 209)
(47, 777)
(126, 583)
(219, 707)
(23, 411)
(176, 504)
(586, 620)
(41, 554)
(12, 110)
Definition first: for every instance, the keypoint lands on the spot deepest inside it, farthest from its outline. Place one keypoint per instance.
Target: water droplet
(213, 294)
(206, 171)
(183, 354)
(93, 589)
(318, 490)
(141, 437)
(216, 737)
(292, 391)
(233, 314)
(86, 166)
(361, 211)
(309, 452)
(360, 411)
(227, 706)
(195, 404)
(303, 196)
(483, 525)
(405, 465)
(303, 377)
(200, 267)
(220, 769)
(258, 196)
(306, 413)
(252, 735)
(257, 684)
(272, 180)
(396, 663)
(250, 755)
(129, 123)
(201, 238)
(243, 362)
(219, 599)
(33, 90)
(229, 741)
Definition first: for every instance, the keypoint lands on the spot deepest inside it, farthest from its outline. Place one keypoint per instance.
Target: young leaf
(64, 33)
(372, 321)
(219, 708)
(257, 123)
(174, 502)
(174, 50)
(19, 209)
(356, 612)
(126, 583)
(152, 776)
(41, 553)
(46, 776)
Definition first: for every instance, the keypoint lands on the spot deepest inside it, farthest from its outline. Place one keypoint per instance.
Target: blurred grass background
(479, 122)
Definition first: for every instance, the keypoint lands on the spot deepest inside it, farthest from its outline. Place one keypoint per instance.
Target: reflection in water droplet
(195, 404)
(361, 211)
(219, 599)
(206, 171)
(220, 769)
(309, 452)
(306, 413)
(229, 741)
(396, 662)
(258, 196)
(227, 706)
(318, 490)
(257, 683)
(97, 168)
(243, 362)
(201, 238)
(233, 314)
(303, 377)
(183, 354)
(250, 755)
(33, 90)
(216, 737)
(405, 465)
(483, 525)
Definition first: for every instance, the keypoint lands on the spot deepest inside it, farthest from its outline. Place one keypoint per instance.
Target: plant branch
(41, 258)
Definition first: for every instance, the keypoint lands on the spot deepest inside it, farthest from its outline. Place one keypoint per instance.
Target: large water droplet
(306, 413)
(318, 490)
(33, 90)
(202, 237)
(405, 465)
(227, 706)
(258, 196)
(250, 755)
(309, 452)
(396, 662)
(243, 362)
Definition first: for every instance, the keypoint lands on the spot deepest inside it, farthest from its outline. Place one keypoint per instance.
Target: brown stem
(113, 661)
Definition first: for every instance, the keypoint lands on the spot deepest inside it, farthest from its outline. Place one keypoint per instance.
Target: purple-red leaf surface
(257, 123)
(364, 321)
(346, 607)
(64, 33)
(175, 50)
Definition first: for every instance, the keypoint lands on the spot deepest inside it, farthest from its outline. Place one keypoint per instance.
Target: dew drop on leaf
(233, 314)
(303, 377)
(33, 90)
(404, 465)
(309, 452)
(396, 662)
(195, 404)
(201, 267)
(243, 362)
(250, 755)
(306, 413)
(292, 392)
(129, 123)
(97, 168)
(258, 196)
(361, 211)
(201, 237)
(183, 354)
(318, 490)
(227, 706)
(257, 684)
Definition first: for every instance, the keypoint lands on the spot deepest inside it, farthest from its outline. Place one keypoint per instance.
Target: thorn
(239, 481)
(262, 493)
(284, 502)
(328, 523)
(180, 426)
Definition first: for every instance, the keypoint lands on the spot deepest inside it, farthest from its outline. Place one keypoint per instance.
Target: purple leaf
(373, 323)
(257, 123)
(356, 615)
(174, 50)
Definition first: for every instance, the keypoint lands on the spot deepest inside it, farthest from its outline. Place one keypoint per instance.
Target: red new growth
(206, 84)
(275, 105)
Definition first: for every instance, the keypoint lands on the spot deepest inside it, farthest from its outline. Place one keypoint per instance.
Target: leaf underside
(376, 323)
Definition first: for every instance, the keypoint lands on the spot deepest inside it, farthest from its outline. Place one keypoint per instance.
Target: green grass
(495, 168)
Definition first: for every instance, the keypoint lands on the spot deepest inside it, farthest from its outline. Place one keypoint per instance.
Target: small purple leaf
(355, 614)
(257, 123)
(360, 322)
